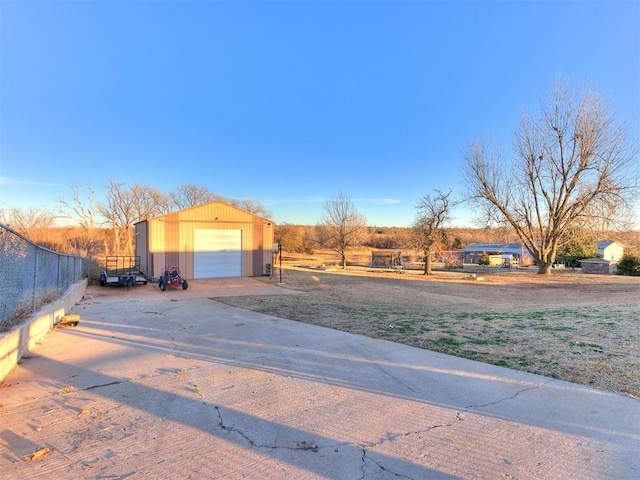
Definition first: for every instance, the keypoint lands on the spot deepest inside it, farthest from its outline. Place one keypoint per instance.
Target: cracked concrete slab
(174, 385)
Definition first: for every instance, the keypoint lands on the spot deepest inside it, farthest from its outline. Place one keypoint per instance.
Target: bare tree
(118, 212)
(189, 195)
(605, 216)
(288, 237)
(148, 202)
(341, 226)
(126, 206)
(253, 206)
(83, 211)
(568, 159)
(31, 222)
(432, 213)
(308, 240)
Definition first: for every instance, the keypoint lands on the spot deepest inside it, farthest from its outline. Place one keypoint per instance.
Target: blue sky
(288, 102)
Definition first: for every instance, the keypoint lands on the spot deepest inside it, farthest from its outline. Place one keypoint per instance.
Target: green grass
(572, 341)
(496, 340)
(553, 328)
(447, 341)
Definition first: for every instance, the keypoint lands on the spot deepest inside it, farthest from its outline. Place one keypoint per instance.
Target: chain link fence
(31, 276)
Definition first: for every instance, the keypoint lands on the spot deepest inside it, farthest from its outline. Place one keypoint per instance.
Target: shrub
(452, 261)
(484, 259)
(629, 265)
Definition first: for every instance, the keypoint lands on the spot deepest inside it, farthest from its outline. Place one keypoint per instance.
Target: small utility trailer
(123, 270)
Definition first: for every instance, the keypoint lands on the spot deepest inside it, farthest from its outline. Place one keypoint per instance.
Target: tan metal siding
(172, 241)
(247, 241)
(142, 245)
(171, 237)
(256, 245)
(156, 245)
(186, 249)
(267, 245)
(261, 246)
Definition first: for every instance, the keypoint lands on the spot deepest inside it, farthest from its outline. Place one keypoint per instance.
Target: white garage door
(217, 253)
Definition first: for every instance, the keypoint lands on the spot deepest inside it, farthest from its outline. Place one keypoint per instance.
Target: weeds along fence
(31, 276)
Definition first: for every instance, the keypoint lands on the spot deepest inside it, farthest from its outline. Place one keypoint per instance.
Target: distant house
(609, 254)
(610, 250)
(512, 253)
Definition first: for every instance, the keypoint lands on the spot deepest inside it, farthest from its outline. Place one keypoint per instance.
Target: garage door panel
(217, 253)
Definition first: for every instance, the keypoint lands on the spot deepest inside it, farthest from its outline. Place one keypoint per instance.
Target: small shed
(599, 266)
(212, 240)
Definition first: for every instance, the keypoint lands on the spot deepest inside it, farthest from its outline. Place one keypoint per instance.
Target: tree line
(570, 174)
(571, 170)
(106, 228)
(431, 236)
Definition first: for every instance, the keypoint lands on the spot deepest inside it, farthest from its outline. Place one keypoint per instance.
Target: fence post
(35, 280)
(58, 274)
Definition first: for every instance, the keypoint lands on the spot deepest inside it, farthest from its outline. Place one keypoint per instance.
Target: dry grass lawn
(575, 327)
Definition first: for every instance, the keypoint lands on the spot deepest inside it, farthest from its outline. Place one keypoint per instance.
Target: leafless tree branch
(572, 164)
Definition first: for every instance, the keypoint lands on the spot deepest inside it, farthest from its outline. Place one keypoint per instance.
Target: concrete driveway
(174, 385)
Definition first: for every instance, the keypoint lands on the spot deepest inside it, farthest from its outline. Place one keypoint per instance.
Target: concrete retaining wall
(23, 338)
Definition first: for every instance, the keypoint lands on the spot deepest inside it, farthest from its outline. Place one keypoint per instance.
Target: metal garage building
(207, 241)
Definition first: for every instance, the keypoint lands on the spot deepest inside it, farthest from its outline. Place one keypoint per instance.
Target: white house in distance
(610, 250)
(610, 253)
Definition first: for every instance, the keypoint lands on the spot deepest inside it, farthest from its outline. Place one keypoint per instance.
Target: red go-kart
(172, 278)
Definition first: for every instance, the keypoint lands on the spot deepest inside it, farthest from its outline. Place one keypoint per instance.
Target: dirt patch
(579, 328)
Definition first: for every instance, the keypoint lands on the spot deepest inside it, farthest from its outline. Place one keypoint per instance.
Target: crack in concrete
(226, 428)
(170, 334)
(542, 384)
(301, 446)
(313, 446)
(390, 437)
(382, 468)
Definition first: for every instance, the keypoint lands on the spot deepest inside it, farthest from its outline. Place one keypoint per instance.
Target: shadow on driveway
(174, 385)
